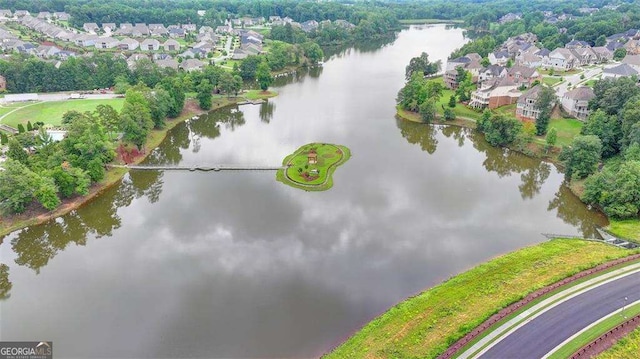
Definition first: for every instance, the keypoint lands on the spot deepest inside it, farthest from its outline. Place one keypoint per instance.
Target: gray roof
(621, 70)
(532, 94)
(633, 60)
(581, 93)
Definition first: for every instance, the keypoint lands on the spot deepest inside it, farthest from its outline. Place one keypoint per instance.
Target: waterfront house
(576, 102)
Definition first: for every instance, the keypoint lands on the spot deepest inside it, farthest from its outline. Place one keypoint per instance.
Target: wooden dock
(192, 168)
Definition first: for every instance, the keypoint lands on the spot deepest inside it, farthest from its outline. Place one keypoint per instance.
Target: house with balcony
(526, 108)
(500, 91)
(576, 102)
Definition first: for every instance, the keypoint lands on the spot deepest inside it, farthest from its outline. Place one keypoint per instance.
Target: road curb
(453, 349)
(608, 339)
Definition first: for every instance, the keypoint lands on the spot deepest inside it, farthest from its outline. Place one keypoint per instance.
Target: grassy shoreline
(113, 175)
(426, 324)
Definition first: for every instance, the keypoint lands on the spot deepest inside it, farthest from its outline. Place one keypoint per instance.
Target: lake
(237, 265)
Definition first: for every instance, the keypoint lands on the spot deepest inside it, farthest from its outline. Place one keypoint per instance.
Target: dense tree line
(607, 153)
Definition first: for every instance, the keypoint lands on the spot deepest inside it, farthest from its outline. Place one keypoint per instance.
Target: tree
(3, 139)
(20, 128)
(485, 62)
(608, 128)
(449, 115)
(422, 65)
(544, 104)
(204, 94)
(619, 53)
(581, 159)
(616, 191)
(70, 181)
(19, 186)
(29, 126)
(551, 139)
(428, 110)
(465, 84)
(109, 119)
(313, 52)
(16, 151)
(248, 67)
(263, 75)
(601, 41)
(86, 144)
(135, 118)
(452, 101)
(500, 130)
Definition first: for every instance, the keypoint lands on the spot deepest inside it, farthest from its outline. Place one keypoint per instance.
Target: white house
(150, 45)
(128, 44)
(561, 59)
(576, 101)
(171, 45)
(106, 43)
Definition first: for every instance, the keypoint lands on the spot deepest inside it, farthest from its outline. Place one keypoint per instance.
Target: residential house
(191, 65)
(5, 13)
(193, 53)
(602, 54)
(207, 37)
(274, 18)
(106, 43)
(205, 30)
(509, 18)
(125, 29)
(45, 51)
(91, 27)
(176, 33)
(614, 45)
(85, 40)
(21, 13)
(495, 93)
(529, 59)
(158, 30)
(576, 44)
(109, 27)
(150, 45)
(561, 59)
(309, 26)
(205, 46)
(622, 70)
(171, 45)
(633, 61)
(576, 102)
(239, 54)
(251, 49)
(585, 55)
(523, 76)
(44, 15)
(491, 72)
(526, 108)
(342, 23)
(161, 56)
(168, 63)
(223, 29)
(189, 27)
(128, 44)
(140, 30)
(61, 15)
(499, 58)
(633, 47)
(469, 62)
(133, 60)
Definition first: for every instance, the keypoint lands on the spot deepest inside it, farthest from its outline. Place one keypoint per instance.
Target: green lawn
(460, 109)
(51, 112)
(302, 173)
(550, 80)
(627, 348)
(629, 229)
(425, 325)
(557, 72)
(567, 129)
(590, 83)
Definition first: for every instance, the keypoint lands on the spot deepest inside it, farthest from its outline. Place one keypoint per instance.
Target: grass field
(302, 173)
(629, 229)
(460, 109)
(626, 348)
(51, 112)
(550, 80)
(567, 129)
(425, 325)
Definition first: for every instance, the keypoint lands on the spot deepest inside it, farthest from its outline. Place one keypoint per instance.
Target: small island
(311, 166)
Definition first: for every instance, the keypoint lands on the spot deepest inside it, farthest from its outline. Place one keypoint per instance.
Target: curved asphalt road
(539, 336)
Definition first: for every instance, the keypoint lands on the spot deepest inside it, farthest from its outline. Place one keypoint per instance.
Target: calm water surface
(183, 264)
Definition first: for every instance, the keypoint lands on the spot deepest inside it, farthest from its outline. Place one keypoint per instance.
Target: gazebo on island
(312, 157)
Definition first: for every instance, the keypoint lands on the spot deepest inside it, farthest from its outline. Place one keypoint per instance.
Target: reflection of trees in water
(168, 152)
(36, 245)
(266, 111)
(504, 162)
(571, 210)
(298, 75)
(458, 133)
(5, 283)
(419, 133)
(533, 179)
(339, 51)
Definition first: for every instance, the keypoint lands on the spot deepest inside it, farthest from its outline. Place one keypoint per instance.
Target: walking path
(518, 333)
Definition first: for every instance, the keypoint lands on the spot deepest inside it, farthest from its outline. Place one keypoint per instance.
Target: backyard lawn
(567, 129)
(51, 112)
(550, 80)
